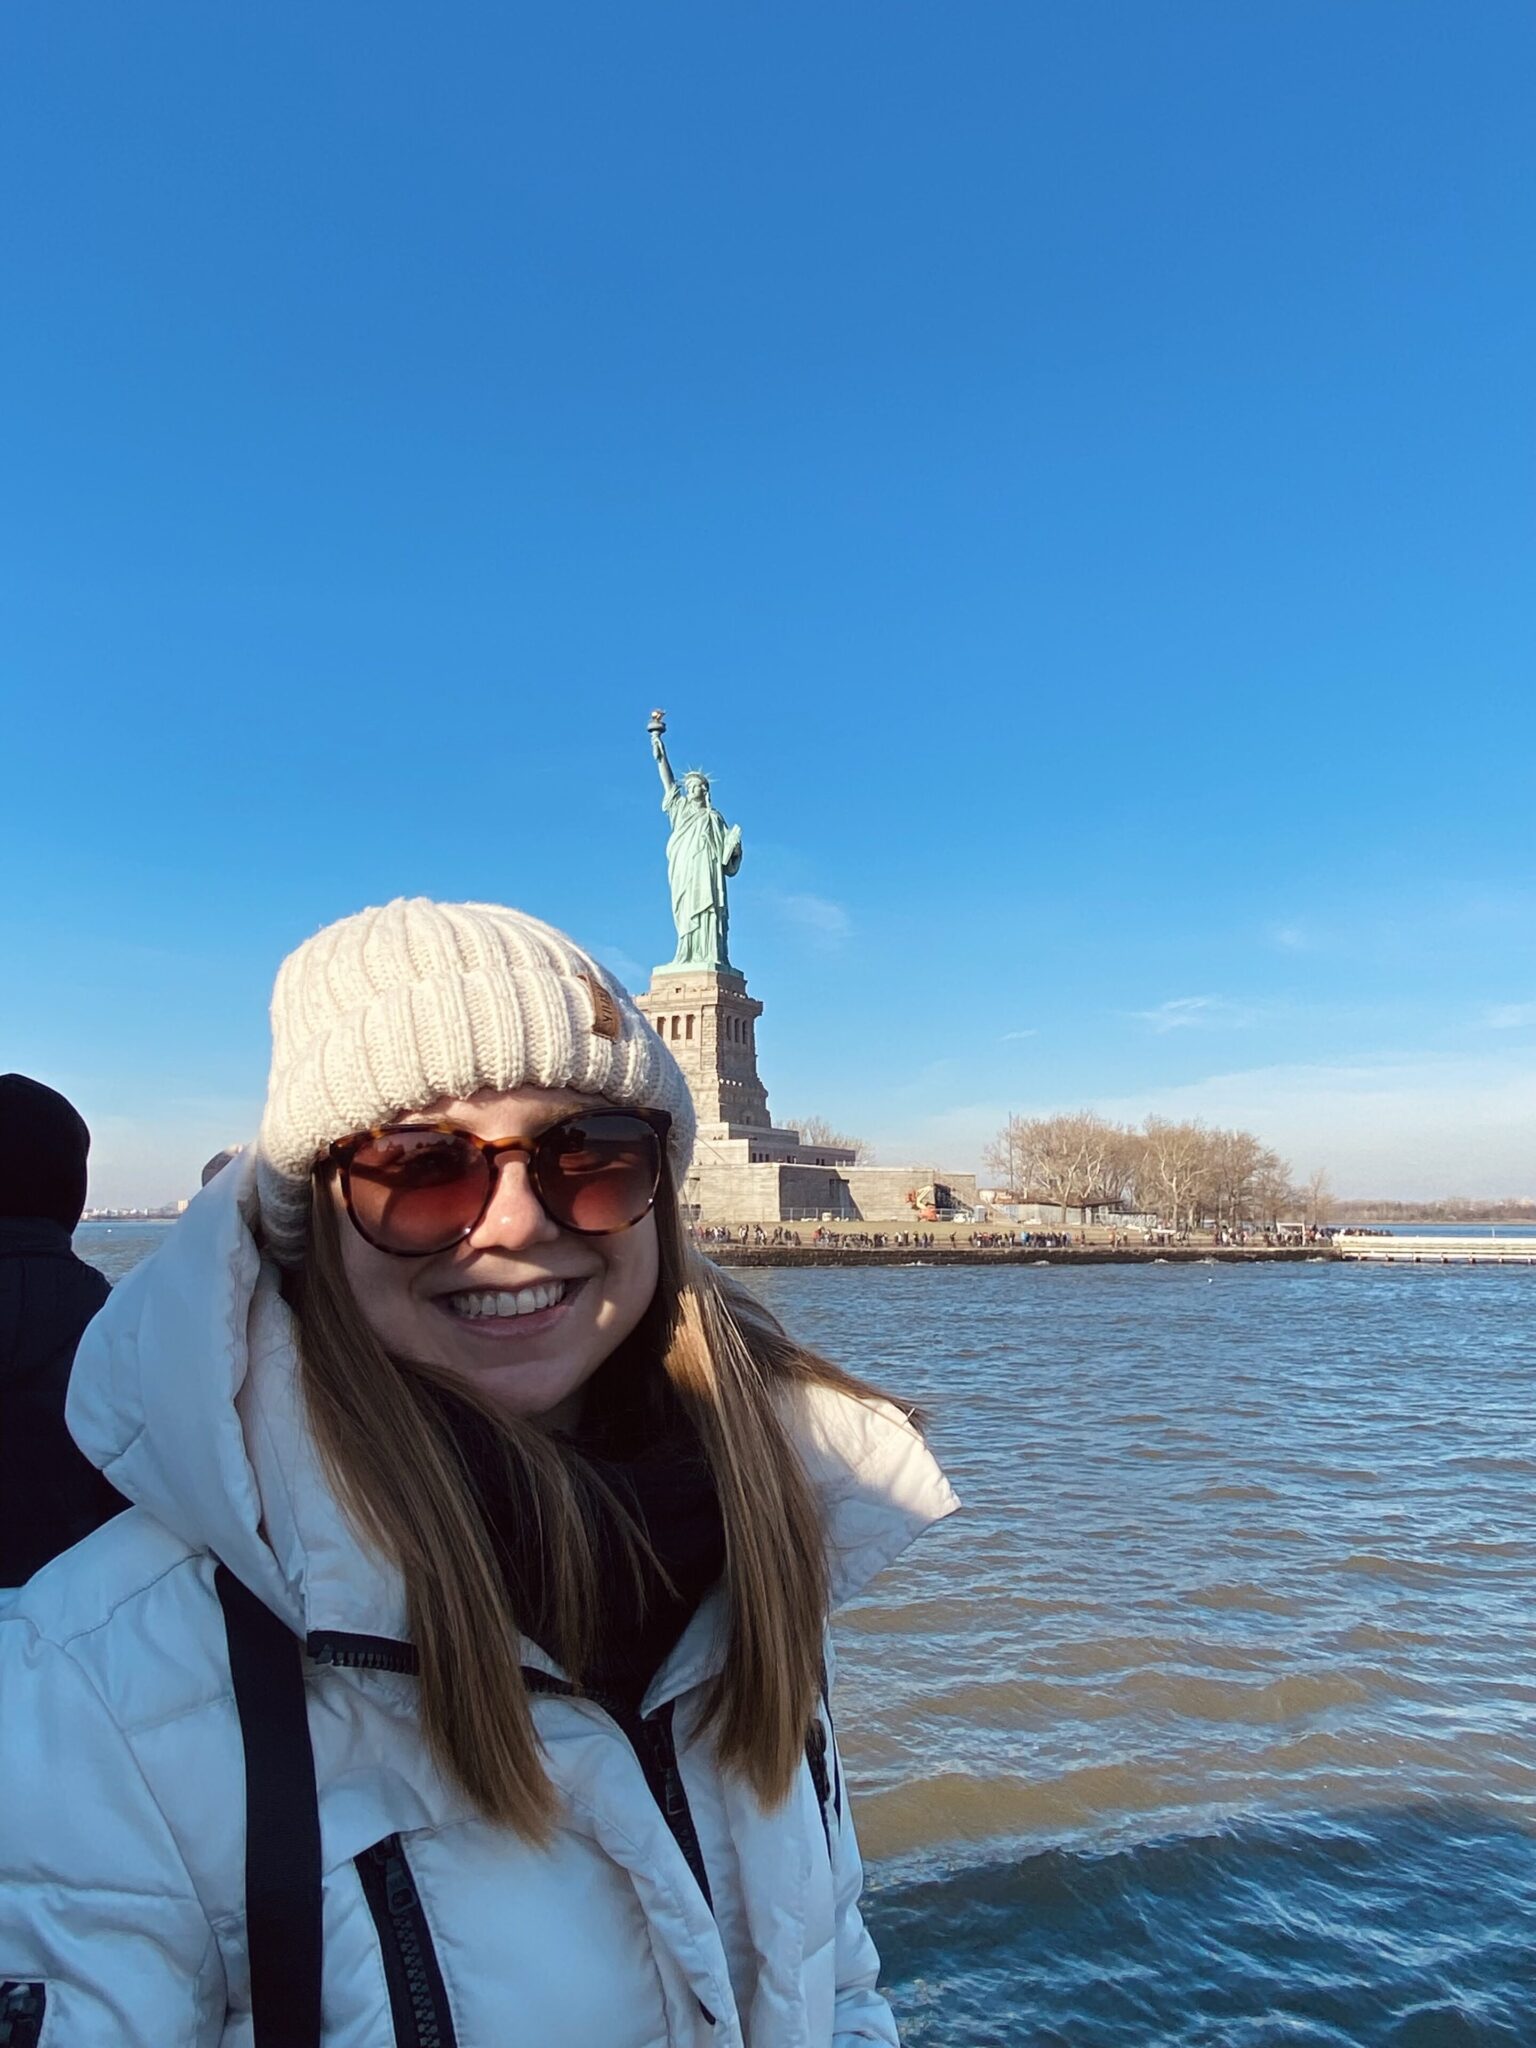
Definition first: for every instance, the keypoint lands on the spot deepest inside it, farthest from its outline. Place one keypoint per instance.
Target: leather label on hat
(606, 1022)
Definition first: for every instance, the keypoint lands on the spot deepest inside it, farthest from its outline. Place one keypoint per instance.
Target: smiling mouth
(507, 1304)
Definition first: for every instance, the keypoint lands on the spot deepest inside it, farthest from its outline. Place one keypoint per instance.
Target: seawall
(1014, 1255)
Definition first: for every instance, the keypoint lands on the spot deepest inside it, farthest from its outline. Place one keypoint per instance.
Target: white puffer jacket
(122, 1819)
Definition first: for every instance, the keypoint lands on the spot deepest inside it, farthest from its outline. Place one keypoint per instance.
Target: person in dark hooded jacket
(50, 1496)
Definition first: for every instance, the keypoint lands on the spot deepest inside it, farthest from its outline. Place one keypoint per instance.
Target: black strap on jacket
(821, 1757)
(282, 1820)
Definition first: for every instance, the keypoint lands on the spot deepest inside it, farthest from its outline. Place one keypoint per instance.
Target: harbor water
(1211, 1722)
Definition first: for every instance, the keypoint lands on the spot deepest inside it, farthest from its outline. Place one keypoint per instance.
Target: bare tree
(815, 1130)
(1008, 1158)
(1173, 1163)
(1274, 1195)
(1234, 1161)
(1065, 1153)
(1074, 1160)
(1247, 1180)
(1317, 1197)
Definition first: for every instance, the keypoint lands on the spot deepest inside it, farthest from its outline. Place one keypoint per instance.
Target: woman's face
(532, 1365)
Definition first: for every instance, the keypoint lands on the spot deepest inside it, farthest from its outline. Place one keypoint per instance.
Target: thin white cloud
(1510, 1016)
(1291, 938)
(826, 922)
(1198, 1013)
(1011, 1037)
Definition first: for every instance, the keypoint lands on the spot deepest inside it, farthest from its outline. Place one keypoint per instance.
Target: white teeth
(501, 1301)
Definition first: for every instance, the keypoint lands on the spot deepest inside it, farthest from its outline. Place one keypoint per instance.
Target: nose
(515, 1217)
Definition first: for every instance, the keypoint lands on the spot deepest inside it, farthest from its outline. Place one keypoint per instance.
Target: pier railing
(1435, 1251)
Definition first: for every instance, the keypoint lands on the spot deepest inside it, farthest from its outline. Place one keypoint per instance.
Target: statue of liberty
(702, 851)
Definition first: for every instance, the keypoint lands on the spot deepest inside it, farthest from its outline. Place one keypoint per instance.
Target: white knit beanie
(385, 1011)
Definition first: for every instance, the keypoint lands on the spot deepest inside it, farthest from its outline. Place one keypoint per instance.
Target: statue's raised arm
(656, 728)
(702, 850)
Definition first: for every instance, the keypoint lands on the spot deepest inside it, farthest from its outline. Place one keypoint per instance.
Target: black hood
(43, 1145)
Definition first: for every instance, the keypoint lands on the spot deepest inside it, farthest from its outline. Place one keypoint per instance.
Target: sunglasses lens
(416, 1191)
(599, 1173)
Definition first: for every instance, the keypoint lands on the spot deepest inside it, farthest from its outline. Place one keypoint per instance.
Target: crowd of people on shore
(1270, 1237)
(824, 1237)
(1024, 1240)
(878, 1240)
(742, 1233)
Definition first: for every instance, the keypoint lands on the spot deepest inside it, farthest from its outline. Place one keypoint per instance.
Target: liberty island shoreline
(805, 1255)
(1343, 1248)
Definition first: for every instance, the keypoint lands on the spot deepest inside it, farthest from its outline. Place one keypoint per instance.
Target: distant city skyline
(1065, 474)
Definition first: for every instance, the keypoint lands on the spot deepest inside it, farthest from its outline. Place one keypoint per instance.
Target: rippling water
(1211, 1723)
(1212, 1720)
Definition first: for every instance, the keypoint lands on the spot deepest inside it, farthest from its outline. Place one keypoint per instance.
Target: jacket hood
(185, 1393)
(43, 1147)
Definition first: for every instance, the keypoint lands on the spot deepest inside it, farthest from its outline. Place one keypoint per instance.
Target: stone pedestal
(710, 1025)
(743, 1161)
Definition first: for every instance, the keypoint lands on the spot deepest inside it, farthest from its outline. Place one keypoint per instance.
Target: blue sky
(1065, 468)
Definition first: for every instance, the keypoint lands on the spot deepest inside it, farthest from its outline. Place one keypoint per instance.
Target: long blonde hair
(704, 1343)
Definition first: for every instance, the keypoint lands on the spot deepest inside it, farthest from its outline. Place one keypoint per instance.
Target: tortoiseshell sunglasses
(418, 1188)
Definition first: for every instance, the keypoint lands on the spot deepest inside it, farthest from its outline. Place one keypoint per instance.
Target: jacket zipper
(655, 1745)
(362, 1653)
(23, 2008)
(816, 1759)
(418, 1997)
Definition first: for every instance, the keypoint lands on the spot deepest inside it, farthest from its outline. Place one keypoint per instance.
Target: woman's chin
(541, 1389)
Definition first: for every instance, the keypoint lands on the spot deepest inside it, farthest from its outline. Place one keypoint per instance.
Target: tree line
(1454, 1209)
(1186, 1174)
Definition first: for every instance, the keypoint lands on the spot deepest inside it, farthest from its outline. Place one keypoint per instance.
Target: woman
(429, 1383)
